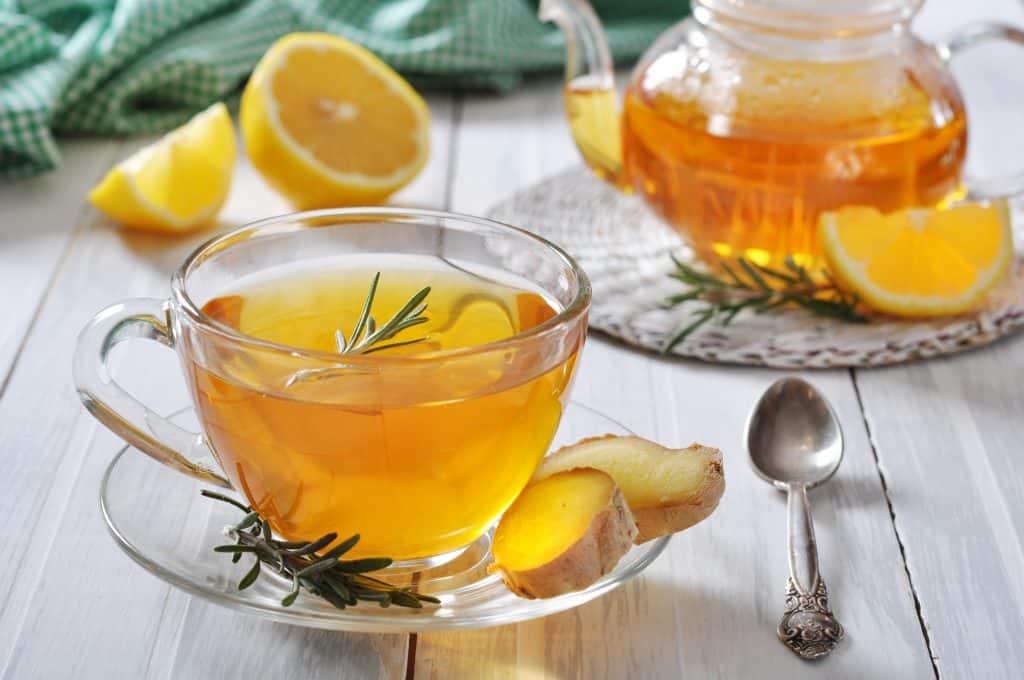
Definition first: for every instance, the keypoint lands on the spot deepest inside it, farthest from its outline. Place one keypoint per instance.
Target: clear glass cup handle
(985, 187)
(124, 415)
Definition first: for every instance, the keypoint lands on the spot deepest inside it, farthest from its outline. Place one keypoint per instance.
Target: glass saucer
(159, 518)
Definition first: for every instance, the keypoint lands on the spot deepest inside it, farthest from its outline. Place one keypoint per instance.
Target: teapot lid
(841, 17)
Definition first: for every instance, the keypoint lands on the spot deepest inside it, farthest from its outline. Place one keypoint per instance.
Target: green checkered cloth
(123, 67)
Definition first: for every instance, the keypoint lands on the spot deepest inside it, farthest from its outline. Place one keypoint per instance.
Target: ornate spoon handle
(807, 627)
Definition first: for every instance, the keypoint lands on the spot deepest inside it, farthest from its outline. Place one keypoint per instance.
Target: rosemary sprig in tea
(368, 337)
(748, 287)
(343, 583)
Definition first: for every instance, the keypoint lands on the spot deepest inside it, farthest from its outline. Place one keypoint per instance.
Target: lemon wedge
(919, 262)
(178, 183)
(327, 123)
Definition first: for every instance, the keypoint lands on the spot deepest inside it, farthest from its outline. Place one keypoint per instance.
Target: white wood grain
(36, 221)
(199, 647)
(710, 605)
(71, 605)
(948, 439)
(947, 432)
(45, 441)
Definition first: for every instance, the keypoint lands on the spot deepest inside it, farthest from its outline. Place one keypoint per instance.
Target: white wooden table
(920, 534)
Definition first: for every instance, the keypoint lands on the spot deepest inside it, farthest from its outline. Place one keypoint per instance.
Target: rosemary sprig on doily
(367, 337)
(343, 583)
(748, 286)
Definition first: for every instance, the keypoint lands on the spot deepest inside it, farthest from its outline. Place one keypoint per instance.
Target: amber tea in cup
(444, 452)
(419, 446)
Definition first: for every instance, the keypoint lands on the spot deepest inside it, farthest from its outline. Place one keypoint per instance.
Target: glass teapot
(745, 122)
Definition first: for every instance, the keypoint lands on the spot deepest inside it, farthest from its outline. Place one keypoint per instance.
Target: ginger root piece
(562, 534)
(667, 490)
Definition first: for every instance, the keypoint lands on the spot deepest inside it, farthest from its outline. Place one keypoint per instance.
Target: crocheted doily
(625, 248)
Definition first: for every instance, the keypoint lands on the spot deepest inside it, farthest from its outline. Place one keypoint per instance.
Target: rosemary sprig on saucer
(748, 286)
(343, 583)
(367, 337)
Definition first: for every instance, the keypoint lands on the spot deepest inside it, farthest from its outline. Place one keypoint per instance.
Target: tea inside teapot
(741, 130)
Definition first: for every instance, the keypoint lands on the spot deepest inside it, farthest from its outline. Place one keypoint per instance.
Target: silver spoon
(795, 442)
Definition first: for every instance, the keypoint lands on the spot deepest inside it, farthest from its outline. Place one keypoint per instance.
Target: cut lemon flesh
(919, 262)
(179, 182)
(327, 123)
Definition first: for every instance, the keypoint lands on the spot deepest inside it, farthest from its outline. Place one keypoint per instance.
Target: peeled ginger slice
(667, 490)
(562, 534)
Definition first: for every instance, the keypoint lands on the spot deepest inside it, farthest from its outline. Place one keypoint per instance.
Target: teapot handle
(985, 187)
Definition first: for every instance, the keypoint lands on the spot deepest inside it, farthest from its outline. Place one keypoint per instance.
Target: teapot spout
(591, 104)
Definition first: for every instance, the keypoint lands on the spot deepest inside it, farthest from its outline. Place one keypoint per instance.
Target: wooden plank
(52, 448)
(948, 440)
(218, 643)
(71, 605)
(709, 606)
(506, 143)
(36, 221)
(946, 431)
(202, 642)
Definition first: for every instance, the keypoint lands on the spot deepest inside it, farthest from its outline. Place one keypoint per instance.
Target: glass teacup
(417, 452)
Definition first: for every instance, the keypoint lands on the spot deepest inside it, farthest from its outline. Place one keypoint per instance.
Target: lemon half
(327, 123)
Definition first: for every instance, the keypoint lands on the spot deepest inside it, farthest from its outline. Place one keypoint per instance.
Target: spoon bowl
(794, 436)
